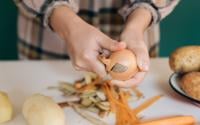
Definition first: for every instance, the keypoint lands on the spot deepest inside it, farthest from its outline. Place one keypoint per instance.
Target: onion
(6, 108)
(42, 110)
(121, 65)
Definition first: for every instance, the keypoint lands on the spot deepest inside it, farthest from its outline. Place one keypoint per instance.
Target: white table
(21, 79)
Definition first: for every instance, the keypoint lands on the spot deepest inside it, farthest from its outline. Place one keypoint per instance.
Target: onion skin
(123, 57)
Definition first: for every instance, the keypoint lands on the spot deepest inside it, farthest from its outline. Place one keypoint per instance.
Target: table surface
(21, 79)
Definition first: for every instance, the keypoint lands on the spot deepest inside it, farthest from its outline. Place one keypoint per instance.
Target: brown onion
(121, 65)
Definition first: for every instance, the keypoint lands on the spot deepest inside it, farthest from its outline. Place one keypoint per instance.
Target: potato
(42, 110)
(190, 83)
(6, 108)
(185, 59)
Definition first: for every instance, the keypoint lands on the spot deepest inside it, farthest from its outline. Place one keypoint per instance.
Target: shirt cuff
(72, 5)
(127, 10)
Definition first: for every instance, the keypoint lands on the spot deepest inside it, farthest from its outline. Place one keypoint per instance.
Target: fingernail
(107, 77)
(77, 68)
(116, 82)
(144, 66)
(103, 75)
(123, 44)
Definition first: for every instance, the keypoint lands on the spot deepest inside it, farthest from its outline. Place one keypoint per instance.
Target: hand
(84, 42)
(133, 35)
(136, 44)
(84, 46)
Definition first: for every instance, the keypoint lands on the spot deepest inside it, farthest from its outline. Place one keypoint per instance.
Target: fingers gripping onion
(121, 65)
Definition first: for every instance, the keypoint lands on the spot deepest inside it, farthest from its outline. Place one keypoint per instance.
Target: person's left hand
(135, 42)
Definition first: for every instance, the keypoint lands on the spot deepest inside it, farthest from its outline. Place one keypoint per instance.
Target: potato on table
(185, 59)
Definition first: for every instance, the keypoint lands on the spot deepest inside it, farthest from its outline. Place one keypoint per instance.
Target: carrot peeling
(146, 104)
(119, 105)
(118, 100)
(176, 120)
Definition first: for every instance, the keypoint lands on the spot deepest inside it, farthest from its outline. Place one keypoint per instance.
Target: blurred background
(181, 28)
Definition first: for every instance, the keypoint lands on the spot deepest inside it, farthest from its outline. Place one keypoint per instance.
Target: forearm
(136, 24)
(138, 20)
(63, 20)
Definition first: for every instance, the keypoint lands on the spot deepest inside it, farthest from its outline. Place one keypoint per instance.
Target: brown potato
(190, 83)
(185, 59)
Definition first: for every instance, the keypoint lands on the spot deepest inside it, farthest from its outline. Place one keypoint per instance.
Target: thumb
(98, 67)
(142, 57)
(112, 45)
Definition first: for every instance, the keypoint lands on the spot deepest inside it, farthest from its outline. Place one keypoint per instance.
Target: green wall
(8, 15)
(182, 27)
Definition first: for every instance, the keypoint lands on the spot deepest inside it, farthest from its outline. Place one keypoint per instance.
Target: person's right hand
(84, 42)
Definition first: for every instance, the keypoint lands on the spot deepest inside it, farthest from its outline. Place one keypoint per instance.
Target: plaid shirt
(37, 41)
